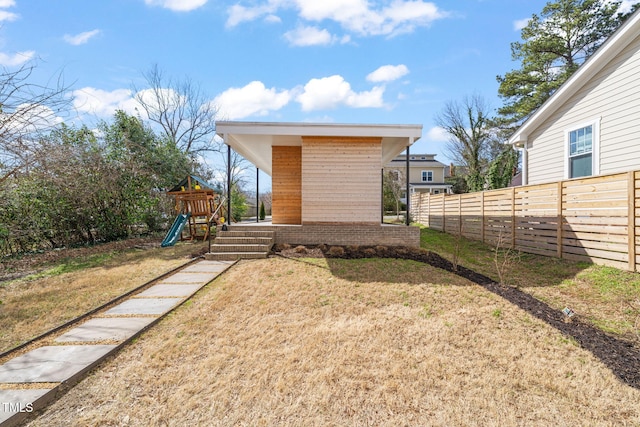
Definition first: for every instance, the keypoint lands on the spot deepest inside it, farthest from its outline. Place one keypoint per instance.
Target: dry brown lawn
(371, 342)
(30, 307)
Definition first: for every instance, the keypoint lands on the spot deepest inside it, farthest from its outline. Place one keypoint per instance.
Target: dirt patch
(621, 356)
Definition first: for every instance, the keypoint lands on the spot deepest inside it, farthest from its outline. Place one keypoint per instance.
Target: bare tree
(467, 124)
(26, 110)
(181, 109)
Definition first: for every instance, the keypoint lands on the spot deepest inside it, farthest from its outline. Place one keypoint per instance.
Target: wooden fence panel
(471, 212)
(536, 216)
(453, 221)
(592, 219)
(598, 209)
(498, 217)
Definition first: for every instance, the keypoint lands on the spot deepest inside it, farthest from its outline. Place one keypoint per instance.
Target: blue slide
(176, 229)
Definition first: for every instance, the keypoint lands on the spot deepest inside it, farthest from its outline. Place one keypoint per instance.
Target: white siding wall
(612, 95)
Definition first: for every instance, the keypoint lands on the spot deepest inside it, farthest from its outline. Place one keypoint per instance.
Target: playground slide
(174, 232)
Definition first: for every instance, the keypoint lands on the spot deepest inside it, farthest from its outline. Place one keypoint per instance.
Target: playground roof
(204, 185)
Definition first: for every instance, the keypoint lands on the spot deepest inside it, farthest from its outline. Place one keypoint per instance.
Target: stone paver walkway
(30, 381)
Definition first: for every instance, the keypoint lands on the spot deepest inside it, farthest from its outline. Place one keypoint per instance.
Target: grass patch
(409, 351)
(69, 287)
(607, 297)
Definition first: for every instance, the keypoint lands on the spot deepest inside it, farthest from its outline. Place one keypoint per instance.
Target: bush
(336, 251)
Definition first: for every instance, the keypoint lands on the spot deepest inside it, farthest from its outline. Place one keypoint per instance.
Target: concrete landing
(101, 329)
(52, 364)
(67, 362)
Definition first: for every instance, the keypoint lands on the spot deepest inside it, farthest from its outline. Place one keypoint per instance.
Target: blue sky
(342, 61)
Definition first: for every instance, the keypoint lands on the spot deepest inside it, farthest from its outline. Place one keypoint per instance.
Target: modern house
(326, 178)
(590, 125)
(426, 174)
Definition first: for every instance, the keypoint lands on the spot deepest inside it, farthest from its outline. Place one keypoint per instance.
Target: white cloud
(7, 16)
(437, 134)
(357, 16)
(177, 5)
(16, 59)
(388, 73)
(253, 99)
(331, 92)
(103, 103)
(30, 118)
(239, 14)
(520, 24)
(81, 38)
(626, 6)
(310, 36)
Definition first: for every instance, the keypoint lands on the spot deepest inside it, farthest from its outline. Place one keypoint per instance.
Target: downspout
(525, 164)
(382, 196)
(257, 194)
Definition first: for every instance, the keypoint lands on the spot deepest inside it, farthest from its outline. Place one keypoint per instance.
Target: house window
(582, 152)
(427, 176)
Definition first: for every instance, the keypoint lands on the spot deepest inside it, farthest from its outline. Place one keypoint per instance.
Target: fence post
(444, 214)
(513, 217)
(460, 214)
(559, 225)
(631, 204)
(429, 210)
(482, 216)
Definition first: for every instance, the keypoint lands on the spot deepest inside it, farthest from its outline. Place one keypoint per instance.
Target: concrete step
(232, 256)
(220, 240)
(240, 248)
(245, 233)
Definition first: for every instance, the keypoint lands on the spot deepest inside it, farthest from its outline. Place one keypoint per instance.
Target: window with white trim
(582, 143)
(427, 176)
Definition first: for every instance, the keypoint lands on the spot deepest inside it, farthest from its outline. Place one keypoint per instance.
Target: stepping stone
(14, 402)
(100, 329)
(145, 306)
(52, 364)
(169, 291)
(190, 278)
(207, 267)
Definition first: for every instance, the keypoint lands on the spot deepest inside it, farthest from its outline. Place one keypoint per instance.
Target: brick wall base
(362, 235)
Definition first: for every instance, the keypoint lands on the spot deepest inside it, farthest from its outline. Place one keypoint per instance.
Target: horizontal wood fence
(587, 219)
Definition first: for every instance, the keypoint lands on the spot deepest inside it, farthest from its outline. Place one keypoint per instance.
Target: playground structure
(197, 205)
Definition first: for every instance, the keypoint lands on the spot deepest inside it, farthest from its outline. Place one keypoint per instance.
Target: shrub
(336, 251)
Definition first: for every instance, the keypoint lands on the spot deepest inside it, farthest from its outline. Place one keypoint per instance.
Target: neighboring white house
(426, 174)
(591, 125)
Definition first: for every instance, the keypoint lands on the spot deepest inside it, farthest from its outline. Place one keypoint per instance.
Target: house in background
(325, 178)
(426, 174)
(590, 125)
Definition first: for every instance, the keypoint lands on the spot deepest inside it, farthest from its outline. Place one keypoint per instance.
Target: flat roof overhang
(253, 140)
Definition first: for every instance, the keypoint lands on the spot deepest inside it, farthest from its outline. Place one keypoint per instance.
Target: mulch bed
(622, 357)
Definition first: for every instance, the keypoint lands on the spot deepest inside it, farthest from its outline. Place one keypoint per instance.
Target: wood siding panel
(341, 180)
(612, 95)
(286, 185)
